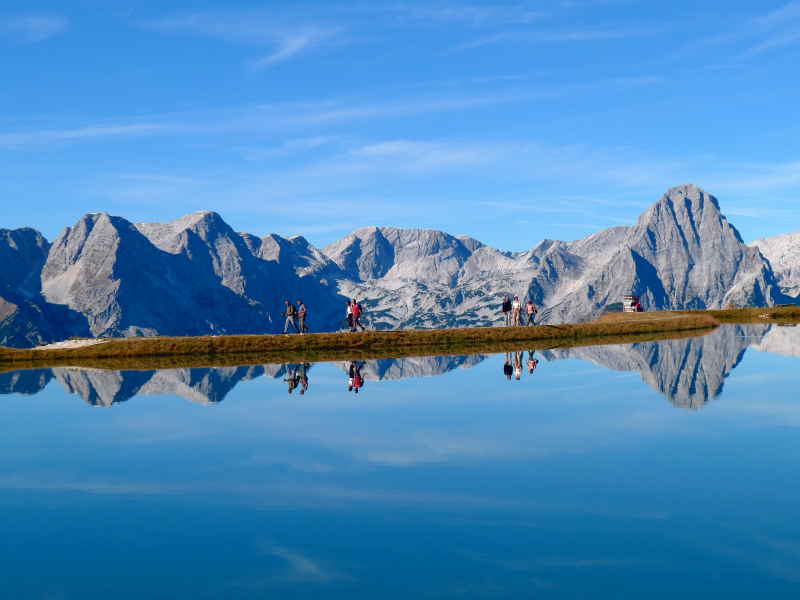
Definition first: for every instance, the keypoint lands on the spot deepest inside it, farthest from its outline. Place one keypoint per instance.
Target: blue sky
(509, 122)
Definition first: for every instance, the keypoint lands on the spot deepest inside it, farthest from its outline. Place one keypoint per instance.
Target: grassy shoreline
(176, 352)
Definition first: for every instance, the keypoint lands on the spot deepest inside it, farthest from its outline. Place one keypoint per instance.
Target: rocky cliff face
(106, 276)
(193, 276)
(682, 253)
(783, 253)
(26, 320)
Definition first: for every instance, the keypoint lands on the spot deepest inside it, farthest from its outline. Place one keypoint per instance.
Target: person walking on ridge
(530, 310)
(507, 310)
(348, 317)
(301, 317)
(357, 312)
(290, 314)
(516, 308)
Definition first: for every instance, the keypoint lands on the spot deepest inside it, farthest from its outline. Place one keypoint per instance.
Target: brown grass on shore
(237, 359)
(384, 343)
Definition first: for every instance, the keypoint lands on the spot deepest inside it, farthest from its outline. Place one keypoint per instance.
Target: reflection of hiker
(301, 316)
(352, 375)
(303, 377)
(357, 312)
(356, 379)
(290, 314)
(507, 370)
(349, 316)
(291, 378)
(530, 310)
(507, 310)
(517, 364)
(532, 362)
(516, 307)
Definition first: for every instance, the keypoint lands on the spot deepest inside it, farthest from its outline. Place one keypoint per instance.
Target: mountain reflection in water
(688, 372)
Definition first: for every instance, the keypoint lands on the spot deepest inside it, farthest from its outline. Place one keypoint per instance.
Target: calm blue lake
(653, 470)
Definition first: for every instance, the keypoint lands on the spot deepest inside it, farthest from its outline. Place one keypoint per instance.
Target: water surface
(640, 470)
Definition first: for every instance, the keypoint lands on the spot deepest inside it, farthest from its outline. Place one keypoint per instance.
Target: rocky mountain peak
(783, 253)
(196, 275)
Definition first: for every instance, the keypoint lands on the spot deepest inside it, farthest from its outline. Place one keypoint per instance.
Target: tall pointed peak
(691, 192)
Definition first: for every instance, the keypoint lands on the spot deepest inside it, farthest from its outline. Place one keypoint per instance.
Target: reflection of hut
(628, 303)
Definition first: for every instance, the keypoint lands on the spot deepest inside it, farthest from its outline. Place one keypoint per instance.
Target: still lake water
(654, 470)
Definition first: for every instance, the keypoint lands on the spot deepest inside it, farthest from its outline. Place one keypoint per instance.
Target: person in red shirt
(357, 312)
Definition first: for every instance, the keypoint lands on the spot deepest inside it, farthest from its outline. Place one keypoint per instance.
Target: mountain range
(106, 276)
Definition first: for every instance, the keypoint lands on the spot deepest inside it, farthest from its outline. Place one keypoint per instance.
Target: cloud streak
(47, 138)
(31, 29)
(250, 28)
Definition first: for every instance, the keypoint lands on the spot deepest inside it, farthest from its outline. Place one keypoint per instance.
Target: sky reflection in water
(578, 479)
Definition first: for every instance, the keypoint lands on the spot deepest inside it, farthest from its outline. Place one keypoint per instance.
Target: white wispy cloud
(31, 29)
(765, 31)
(48, 137)
(557, 35)
(251, 28)
(447, 14)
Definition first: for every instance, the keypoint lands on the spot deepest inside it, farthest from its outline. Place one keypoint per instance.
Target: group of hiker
(296, 317)
(353, 315)
(293, 315)
(515, 359)
(513, 312)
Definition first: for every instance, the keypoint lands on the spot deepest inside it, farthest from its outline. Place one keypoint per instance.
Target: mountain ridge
(106, 276)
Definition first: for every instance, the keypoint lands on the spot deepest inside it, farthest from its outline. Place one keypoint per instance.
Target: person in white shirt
(516, 307)
(349, 316)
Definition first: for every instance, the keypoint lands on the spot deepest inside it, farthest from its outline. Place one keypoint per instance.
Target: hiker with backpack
(301, 316)
(507, 310)
(290, 314)
(357, 313)
(530, 310)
